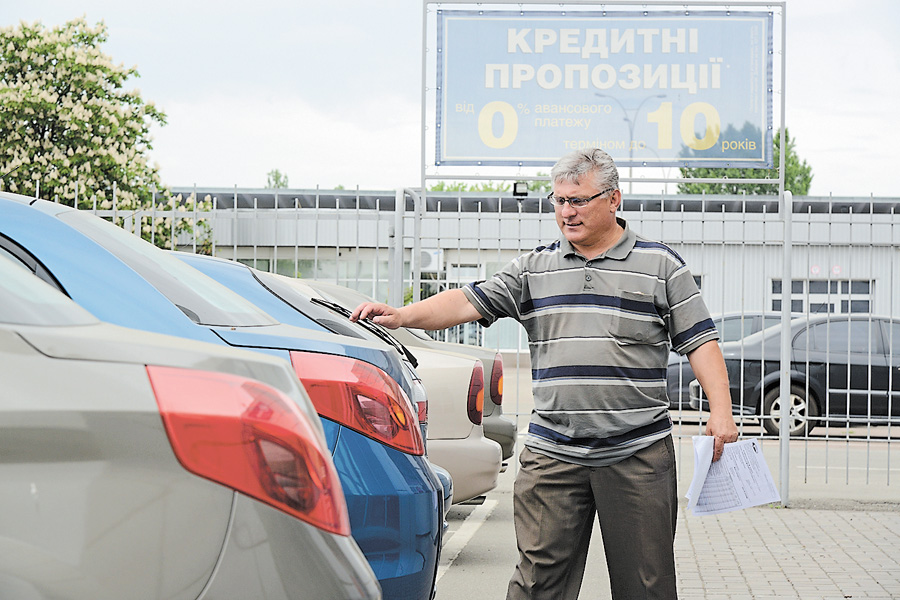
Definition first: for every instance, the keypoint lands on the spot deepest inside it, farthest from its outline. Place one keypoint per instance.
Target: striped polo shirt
(599, 334)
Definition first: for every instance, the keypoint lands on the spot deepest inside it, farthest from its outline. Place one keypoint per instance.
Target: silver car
(136, 465)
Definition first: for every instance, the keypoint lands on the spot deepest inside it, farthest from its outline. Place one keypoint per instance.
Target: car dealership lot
(836, 467)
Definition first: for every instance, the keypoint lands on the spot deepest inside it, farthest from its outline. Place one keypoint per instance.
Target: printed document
(740, 479)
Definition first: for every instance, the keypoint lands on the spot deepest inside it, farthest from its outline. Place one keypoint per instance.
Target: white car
(455, 384)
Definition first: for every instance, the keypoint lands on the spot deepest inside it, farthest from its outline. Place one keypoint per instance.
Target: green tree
(461, 186)
(797, 176)
(541, 186)
(538, 186)
(276, 180)
(69, 130)
(449, 186)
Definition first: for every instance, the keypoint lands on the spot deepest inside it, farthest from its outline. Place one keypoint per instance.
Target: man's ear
(615, 200)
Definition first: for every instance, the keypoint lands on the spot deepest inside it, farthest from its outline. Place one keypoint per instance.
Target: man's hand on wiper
(371, 326)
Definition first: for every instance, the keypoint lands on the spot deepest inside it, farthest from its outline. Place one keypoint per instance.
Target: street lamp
(631, 124)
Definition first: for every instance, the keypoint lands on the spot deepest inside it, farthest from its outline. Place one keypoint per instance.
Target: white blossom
(78, 144)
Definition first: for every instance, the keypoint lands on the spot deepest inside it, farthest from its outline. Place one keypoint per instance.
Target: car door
(851, 350)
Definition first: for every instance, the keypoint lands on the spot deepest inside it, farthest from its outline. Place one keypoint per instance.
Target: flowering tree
(69, 131)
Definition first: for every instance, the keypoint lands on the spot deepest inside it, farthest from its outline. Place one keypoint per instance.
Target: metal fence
(839, 272)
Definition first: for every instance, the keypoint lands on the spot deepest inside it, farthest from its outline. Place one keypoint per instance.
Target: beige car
(456, 388)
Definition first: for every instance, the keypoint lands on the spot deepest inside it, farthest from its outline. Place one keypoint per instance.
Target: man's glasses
(575, 202)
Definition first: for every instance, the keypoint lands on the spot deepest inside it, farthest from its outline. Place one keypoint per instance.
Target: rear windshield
(319, 314)
(201, 298)
(26, 300)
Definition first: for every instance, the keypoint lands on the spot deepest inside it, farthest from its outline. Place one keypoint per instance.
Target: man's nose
(567, 209)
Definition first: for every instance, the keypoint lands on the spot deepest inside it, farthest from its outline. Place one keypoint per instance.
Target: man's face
(590, 226)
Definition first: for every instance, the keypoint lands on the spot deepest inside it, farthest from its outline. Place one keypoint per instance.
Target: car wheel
(801, 411)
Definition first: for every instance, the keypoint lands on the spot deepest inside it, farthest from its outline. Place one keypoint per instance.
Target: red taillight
(251, 438)
(360, 396)
(420, 400)
(497, 380)
(475, 405)
(422, 410)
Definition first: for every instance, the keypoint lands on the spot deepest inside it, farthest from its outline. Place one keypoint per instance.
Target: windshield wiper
(373, 328)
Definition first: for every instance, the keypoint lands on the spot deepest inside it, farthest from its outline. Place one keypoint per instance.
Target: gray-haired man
(601, 306)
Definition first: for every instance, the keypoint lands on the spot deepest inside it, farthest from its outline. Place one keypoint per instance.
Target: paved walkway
(839, 538)
(769, 553)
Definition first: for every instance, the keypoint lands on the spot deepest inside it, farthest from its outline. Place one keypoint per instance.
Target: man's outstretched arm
(449, 308)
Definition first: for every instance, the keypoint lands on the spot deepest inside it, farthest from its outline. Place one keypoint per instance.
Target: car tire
(802, 411)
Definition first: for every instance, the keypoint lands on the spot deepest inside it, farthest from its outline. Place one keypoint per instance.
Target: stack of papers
(740, 479)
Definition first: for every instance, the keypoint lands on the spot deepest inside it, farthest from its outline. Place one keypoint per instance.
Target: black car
(844, 369)
(732, 327)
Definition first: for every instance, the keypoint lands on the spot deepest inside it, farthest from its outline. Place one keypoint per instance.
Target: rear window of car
(320, 315)
(201, 298)
(26, 300)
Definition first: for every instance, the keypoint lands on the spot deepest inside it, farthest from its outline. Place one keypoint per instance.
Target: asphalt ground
(837, 537)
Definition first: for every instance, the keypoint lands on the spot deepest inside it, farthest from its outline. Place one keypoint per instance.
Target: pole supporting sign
(652, 88)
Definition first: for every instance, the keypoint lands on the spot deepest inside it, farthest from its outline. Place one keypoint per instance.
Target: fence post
(415, 261)
(395, 253)
(784, 432)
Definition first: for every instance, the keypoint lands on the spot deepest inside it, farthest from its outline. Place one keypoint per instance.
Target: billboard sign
(652, 88)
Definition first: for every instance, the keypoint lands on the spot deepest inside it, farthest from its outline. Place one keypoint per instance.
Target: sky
(329, 92)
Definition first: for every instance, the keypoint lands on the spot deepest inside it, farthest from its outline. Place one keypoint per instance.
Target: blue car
(393, 496)
(270, 294)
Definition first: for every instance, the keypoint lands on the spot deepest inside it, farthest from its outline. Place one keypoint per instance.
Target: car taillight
(360, 396)
(422, 410)
(497, 380)
(420, 401)
(252, 438)
(475, 404)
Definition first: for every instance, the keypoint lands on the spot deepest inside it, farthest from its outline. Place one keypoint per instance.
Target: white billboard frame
(430, 172)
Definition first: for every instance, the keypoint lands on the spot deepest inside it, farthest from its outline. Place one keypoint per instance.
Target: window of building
(815, 296)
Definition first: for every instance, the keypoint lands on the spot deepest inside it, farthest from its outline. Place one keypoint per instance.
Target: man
(601, 306)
